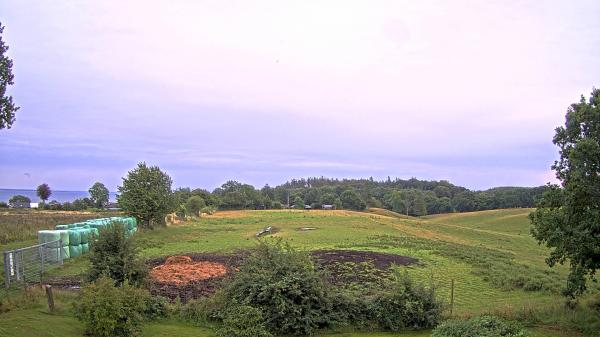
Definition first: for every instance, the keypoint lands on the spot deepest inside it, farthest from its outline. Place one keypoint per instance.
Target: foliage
(44, 192)
(298, 203)
(488, 326)
(110, 311)
(284, 285)
(114, 254)
(194, 205)
(156, 307)
(243, 321)
(567, 218)
(18, 199)
(3, 204)
(351, 200)
(146, 194)
(7, 106)
(406, 305)
(99, 195)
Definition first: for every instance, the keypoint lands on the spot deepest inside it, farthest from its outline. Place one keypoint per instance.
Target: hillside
(496, 266)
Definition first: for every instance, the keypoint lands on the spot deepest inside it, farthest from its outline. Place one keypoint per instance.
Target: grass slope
(473, 249)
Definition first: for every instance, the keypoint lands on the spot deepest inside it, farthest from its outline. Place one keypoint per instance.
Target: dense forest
(412, 197)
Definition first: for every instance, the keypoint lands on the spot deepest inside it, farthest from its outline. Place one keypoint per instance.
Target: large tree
(44, 192)
(567, 219)
(146, 194)
(99, 195)
(7, 106)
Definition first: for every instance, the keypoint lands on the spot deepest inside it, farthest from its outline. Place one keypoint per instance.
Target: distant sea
(60, 196)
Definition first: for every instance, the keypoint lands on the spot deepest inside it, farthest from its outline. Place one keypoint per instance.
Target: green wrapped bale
(84, 234)
(72, 225)
(85, 247)
(74, 251)
(93, 234)
(49, 236)
(74, 237)
(85, 226)
(64, 251)
(64, 236)
(130, 222)
(62, 227)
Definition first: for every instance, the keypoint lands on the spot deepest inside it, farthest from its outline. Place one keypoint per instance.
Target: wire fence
(28, 265)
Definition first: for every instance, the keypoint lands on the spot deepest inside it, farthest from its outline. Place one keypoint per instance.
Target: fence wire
(28, 265)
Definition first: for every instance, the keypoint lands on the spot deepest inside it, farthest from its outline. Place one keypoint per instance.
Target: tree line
(411, 197)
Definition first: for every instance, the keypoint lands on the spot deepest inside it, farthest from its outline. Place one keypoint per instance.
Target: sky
(265, 91)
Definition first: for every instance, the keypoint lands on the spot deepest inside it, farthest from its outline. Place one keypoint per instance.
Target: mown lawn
(472, 249)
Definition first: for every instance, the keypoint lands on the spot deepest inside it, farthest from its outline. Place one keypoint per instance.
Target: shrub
(110, 311)
(209, 210)
(488, 326)
(3, 204)
(243, 321)
(284, 285)
(194, 205)
(407, 305)
(205, 309)
(157, 307)
(115, 255)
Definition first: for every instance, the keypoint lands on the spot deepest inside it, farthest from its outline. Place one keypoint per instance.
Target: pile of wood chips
(181, 270)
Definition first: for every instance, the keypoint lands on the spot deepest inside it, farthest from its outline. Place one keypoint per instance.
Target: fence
(28, 265)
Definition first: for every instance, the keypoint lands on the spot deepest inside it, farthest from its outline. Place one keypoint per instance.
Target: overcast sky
(264, 91)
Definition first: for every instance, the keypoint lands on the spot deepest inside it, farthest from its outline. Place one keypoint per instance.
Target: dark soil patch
(380, 261)
(358, 268)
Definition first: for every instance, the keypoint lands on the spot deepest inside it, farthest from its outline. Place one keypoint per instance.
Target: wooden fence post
(50, 297)
(451, 297)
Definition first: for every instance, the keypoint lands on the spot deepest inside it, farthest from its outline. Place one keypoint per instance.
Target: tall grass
(23, 224)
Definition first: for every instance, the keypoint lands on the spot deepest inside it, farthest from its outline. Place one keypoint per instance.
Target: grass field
(23, 224)
(496, 266)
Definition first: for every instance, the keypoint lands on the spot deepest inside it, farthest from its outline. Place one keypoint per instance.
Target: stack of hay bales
(76, 237)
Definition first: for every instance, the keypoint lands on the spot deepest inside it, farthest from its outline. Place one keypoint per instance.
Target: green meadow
(495, 265)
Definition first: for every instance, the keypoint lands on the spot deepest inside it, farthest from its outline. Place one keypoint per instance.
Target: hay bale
(64, 236)
(49, 236)
(74, 237)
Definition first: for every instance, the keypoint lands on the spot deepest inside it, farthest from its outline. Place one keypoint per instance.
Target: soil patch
(379, 260)
(192, 276)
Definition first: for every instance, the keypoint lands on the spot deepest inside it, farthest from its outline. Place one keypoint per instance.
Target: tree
(16, 200)
(567, 217)
(99, 195)
(7, 107)
(44, 192)
(193, 206)
(464, 201)
(146, 194)
(298, 203)
(351, 200)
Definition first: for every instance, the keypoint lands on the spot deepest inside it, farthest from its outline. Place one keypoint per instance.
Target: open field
(496, 266)
(23, 224)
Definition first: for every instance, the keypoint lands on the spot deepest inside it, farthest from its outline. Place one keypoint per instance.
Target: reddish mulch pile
(191, 276)
(181, 270)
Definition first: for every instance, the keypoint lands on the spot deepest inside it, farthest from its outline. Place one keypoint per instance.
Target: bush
(243, 321)
(407, 305)
(115, 255)
(210, 210)
(109, 311)
(194, 205)
(488, 326)
(284, 285)
(157, 307)
(3, 204)
(205, 309)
